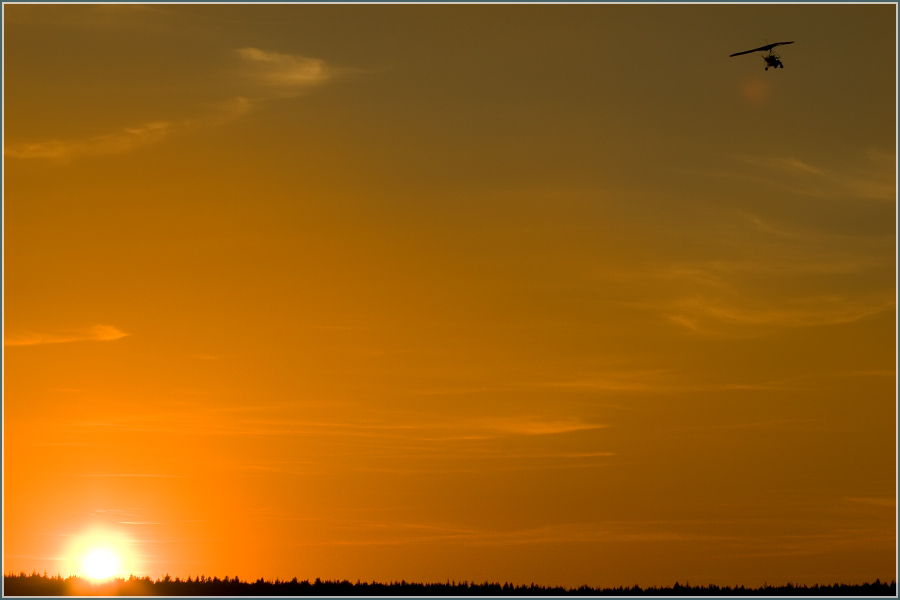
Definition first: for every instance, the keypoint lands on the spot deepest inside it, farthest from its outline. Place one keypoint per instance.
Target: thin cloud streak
(536, 425)
(722, 274)
(128, 139)
(288, 72)
(818, 182)
(882, 502)
(112, 143)
(97, 333)
(530, 425)
(266, 75)
(138, 475)
(788, 164)
(873, 179)
(704, 314)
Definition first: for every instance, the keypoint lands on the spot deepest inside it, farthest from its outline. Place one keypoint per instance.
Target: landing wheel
(767, 68)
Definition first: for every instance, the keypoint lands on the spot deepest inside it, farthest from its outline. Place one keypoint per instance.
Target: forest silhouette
(41, 585)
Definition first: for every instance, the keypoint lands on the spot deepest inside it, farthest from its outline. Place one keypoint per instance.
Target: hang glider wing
(762, 48)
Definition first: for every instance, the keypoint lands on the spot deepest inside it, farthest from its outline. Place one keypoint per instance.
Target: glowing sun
(100, 563)
(100, 555)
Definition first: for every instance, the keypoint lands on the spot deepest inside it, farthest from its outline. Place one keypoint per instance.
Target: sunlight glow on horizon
(100, 555)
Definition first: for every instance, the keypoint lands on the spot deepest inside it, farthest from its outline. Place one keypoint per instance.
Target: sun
(101, 554)
(100, 563)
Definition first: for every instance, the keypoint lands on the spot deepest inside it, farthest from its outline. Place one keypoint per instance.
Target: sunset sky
(532, 293)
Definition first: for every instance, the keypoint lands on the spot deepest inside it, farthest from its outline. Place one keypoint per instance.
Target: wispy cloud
(127, 139)
(111, 143)
(882, 502)
(535, 425)
(634, 380)
(601, 379)
(768, 274)
(867, 177)
(427, 431)
(792, 254)
(710, 315)
(131, 512)
(262, 75)
(656, 381)
(284, 73)
(97, 333)
(787, 164)
(873, 179)
(139, 475)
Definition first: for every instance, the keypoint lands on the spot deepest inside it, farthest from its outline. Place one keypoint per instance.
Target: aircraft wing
(761, 48)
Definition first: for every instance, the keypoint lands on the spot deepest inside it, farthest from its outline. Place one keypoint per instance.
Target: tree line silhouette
(41, 585)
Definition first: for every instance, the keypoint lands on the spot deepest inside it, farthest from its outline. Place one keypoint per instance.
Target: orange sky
(526, 293)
